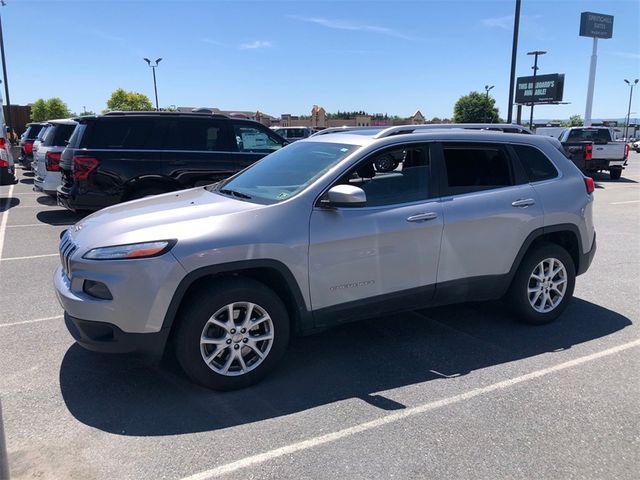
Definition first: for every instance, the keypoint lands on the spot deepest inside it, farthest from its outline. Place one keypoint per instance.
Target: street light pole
(626, 128)
(155, 87)
(487, 88)
(535, 71)
(4, 72)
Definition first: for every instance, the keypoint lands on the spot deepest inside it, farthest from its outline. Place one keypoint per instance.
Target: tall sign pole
(595, 25)
(592, 82)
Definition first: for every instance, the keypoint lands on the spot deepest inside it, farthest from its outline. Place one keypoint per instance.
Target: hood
(177, 215)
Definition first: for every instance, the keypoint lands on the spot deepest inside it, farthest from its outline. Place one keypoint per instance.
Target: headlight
(133, 250)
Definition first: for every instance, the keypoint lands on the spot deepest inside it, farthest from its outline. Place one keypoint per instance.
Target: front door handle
(523, 203)
(422, 217)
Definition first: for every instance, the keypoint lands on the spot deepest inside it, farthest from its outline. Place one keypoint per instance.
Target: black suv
(26, 144)
(122, 156)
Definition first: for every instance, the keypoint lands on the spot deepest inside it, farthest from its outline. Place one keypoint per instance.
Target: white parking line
(395, 417)
(30, 257)
(24, 322)
(622, 203)
(5, 217)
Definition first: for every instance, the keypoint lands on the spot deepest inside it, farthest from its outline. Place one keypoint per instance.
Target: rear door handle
(422, 217)
(523, 203)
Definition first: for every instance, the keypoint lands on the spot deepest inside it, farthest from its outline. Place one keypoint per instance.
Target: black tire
(518, 297)
(145, 192)
(615, 173)
(202, 305)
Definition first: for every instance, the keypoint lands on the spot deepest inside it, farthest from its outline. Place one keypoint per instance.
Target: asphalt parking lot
(455, 392)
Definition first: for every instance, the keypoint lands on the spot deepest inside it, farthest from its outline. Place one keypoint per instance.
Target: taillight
(591, 186)
(83, 166)
(28, 148)
(626, 150)
(52, 160)
(4, 155)
(588, 152)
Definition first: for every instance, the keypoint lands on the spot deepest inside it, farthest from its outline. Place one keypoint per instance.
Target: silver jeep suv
(329, 229)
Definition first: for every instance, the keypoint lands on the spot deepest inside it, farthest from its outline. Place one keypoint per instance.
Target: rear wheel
(232, 334)
(615, 173)
(543, 284)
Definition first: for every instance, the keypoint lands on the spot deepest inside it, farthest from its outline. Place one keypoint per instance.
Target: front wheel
(231, 334)
(615, 173)
(543, 284)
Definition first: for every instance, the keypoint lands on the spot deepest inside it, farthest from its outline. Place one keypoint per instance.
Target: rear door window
(197, 134)
(475, 167)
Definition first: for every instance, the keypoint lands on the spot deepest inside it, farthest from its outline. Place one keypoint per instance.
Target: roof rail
(167, 113)
(326, 131)
(402, 129)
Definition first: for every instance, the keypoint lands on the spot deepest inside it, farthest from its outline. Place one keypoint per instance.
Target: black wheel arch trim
(583, 258)
(304, 320)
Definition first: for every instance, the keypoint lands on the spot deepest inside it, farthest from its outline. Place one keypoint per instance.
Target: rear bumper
(25, 161)
(599, 164)
(587, 258)
(108, 338)
(7, 176)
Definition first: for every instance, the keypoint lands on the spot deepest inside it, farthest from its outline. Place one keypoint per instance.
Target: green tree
(574, 121)
(39, 110)
(56, 108)
(42, 109)
(436, 120)
(128, 101)
(475, 108)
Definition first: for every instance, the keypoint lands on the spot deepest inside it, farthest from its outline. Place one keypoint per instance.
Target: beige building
(317, 119)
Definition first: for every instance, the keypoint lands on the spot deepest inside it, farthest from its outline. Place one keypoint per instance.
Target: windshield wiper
(235, 193)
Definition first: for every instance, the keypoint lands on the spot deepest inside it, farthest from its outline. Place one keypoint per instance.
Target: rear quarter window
(125, 133)
(535, 163)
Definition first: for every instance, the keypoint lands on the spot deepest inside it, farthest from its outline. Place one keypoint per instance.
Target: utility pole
(514, 53)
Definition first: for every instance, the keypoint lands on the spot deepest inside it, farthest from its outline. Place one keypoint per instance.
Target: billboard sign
(597, 25)
(549, 89)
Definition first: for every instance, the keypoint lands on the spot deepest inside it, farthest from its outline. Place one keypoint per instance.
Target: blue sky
(390, 56)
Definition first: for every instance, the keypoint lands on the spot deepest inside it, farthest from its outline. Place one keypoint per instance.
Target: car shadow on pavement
(59, 217)
(605, 178)
(47, 200)
(121, 395)
(7, 203)
(28, 181)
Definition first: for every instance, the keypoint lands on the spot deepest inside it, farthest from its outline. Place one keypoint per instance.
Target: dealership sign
(548, 89)
(596, 25)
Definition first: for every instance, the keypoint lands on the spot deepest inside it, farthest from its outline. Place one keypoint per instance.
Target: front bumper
(107, 338)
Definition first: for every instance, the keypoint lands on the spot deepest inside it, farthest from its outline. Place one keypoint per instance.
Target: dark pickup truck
(593, 149)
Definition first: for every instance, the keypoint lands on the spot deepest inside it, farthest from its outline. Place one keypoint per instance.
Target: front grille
(67, 248)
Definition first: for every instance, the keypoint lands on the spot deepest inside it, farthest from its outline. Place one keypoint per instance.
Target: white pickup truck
(604, 154)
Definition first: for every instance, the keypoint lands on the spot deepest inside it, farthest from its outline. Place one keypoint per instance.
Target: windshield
(284, 173)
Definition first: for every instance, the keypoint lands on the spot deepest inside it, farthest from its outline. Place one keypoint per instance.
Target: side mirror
(344, 196)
